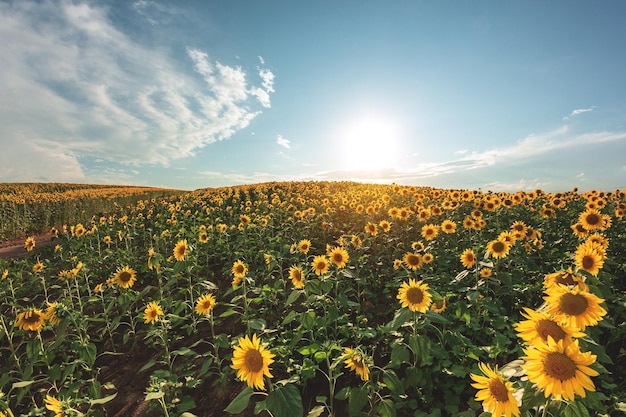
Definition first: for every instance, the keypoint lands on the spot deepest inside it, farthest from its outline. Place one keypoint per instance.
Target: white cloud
(576, 112)
(283, 142)
(261, 60)
(73, 85)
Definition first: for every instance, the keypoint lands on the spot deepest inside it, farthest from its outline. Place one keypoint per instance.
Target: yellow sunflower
(428, 258)
(239, 269)
(385, 225)
(5, 274)
(125, 277)
(539, 325)
(495, 393)
(589, 257)
(339, 256)
(439, 306)
(485, 272)
(152, 312)
(430, 231)
(107, 240)
(560, 368)
(38, 267)
(566, 278)
(371, 229)
(591, 219)
(54, 405)
(355, 361)
(32, 319)
(304, 245)
(320, 265)
(203, 237)
(413, 260)
(356, 242)
(520, 227)
(205, 304)
(29, 244)
(180, 250)
(51, 313)
(498, 248)
(448, 226)
(297, 276)
(414, 295)
(575, 307)
(468, 258)
(251, 360)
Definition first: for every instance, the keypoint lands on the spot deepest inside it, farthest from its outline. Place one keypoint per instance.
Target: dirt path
(14, 248)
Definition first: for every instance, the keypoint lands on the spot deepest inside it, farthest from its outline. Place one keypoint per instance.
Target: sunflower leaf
(240, 402)
(285, 402)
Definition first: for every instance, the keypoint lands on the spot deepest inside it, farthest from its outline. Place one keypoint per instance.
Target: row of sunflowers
(323, 298)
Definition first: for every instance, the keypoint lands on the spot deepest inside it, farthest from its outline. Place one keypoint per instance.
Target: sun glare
(369, 144)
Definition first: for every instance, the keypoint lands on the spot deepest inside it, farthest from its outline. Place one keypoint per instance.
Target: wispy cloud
(576, 112)
(283, 142)
(73, 85)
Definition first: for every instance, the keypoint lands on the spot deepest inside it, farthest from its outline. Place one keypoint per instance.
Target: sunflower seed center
(547, 328)
(254, 360)
(414, 295)
(125, 276)
(559, 366)
(498, 390)
(573, 304)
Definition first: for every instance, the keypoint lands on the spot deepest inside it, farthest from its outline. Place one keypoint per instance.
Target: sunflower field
(323, 299)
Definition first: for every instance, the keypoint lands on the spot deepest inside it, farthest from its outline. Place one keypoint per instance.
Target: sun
(369, 143)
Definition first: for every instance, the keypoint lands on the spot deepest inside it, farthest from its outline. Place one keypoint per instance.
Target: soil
(14, 248)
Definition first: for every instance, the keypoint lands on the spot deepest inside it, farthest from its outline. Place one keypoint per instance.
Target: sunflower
(355, 362)
(5, 274)
(385, 225)
(205, 304)
(32, 319)
(252, 360)
(304, 245)
(38, 267)
(428, 258)
(591, 219)
(54, 405)
(418, 246)
(430, 231)
(371, 229)
(203, 237)
(397, 263)
(485, 272)
(79, 230)
(125, 277)
(414, 295)
(439, 306)
(180, 250)
(560, 368)
(448, 226)
(468, 258)
(566, 278)
(339, 256)
(297, 276)
(575, 307)
(519, 226)
(539, 325)
(320, 265)
(239, 269)
(589, 257)
(51, 314)
(495, 393)
(468, 223)
(413, 260)
(498, 248)
(29, 244)
(152, 312)
(356, 242)
(509, 237)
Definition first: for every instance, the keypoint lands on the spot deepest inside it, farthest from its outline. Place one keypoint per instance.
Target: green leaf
(399, 355)
(402, 316)
(386, 408)
(316, 411)
(258, 324)
(392, 382)
(295, 294)
(22, 384)
(357, 399)
(285, 401)
(149, 365)
(103, 400)
(309, 350)
(154, 395)
(240, 402)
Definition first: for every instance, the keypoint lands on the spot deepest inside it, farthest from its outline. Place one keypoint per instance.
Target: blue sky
(191, 94)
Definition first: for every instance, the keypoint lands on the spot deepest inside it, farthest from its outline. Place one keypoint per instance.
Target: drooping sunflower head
(32, 319)
(498, 248)
(560, 369)
(414, 295)
(495, 393)
(297, 276)
(152, 312)
(55, 405)
(575, 307)
(339, 256)
(468, 258)
(205, 304)
(413, 260)
(355, 361)
(540, 325)
(320, 265)
(251, 360)
(125, 277)
(567, 278)
(54, 313)
(180, 250)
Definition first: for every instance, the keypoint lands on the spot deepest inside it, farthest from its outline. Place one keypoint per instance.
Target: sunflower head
(239, 269)
(339, 256)
(297, 276)
(320, 265)
(304, 245)
(355, 361)
(498, 248)
(413, 260)
(495, 393)
(575, 307)
(414, 295)
(468, 258)
(32, 319)
(540, 325)
(125, 277)
(180, 250)
(251, 360)
(205, 304)
(152, 312)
